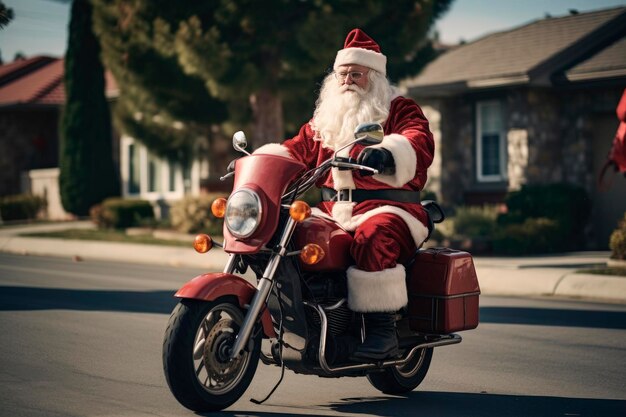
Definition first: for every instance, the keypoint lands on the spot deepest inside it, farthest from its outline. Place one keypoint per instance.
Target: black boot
(381, 341)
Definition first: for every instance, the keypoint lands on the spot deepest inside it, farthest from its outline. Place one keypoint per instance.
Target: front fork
(263, 289)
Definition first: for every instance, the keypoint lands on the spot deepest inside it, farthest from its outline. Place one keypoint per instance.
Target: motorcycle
(213, 341)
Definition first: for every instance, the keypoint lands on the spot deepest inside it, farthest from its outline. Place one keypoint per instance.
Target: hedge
(21, 207)
(118, 213)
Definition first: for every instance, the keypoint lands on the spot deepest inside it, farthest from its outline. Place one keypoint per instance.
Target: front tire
(402, 379)
(195, 355)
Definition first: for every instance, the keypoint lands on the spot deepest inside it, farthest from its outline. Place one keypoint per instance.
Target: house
(530, 105)
(32, 95)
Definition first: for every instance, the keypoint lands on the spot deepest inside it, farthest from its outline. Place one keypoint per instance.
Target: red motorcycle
(212, 344)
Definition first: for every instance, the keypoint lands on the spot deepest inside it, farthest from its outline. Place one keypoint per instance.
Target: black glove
(377, 158)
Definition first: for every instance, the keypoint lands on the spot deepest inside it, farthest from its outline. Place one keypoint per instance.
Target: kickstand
(282, 374)
(280, 352)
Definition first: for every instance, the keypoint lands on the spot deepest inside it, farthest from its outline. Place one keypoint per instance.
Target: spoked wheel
(401, 379)
(196, 350)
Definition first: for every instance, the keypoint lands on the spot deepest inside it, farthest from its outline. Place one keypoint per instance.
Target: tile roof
(610, 61)
(37, 81)
(512, 57)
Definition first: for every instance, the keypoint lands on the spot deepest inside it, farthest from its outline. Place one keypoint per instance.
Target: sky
(40, 26)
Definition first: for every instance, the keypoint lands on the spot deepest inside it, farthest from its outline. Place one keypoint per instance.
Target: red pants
(381, 242)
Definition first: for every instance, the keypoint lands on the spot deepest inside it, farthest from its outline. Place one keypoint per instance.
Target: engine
(327, 289)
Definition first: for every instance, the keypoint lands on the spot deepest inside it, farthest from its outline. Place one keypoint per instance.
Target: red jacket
(411, 143)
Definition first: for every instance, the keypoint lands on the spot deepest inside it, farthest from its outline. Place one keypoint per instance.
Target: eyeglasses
(354, 75)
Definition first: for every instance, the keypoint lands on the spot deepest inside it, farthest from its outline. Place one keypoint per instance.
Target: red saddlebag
(443, 292)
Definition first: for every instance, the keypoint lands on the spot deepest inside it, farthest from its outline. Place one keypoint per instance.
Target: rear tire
(195, 358)
(399, 380)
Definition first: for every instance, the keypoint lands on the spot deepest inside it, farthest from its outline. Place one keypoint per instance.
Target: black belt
(358, 196)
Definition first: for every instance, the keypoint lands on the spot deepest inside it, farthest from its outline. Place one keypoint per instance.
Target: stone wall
(549, 139)
(433, 114)
(457, 149)
(560, 133)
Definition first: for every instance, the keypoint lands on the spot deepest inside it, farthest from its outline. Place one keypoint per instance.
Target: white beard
(341, 108)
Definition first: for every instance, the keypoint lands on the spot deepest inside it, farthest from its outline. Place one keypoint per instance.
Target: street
(84, 339)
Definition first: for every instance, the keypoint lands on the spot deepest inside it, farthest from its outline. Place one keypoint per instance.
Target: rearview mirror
(240, 142)
(369, 133)
(435, 212)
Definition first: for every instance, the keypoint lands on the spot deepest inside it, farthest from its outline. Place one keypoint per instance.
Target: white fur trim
(404, 158)
(274, 149)
(361, 56)
(342, 213)
(379, 291)
(342, 179)
(319, 213)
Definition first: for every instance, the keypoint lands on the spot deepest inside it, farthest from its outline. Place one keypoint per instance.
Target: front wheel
(196, 349)
(401, 379)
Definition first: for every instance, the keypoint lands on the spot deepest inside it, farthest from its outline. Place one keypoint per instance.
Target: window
(154, 173)
(134, 180)
(150, 176)
(171, 175)
(491, 151)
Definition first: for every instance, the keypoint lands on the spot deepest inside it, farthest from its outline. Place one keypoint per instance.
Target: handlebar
(350, 165)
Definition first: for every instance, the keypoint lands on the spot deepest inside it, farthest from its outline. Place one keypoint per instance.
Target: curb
(106, 251)
(540, 276)
(593, 286)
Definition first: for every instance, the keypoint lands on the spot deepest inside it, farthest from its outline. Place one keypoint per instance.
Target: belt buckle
(341, 194)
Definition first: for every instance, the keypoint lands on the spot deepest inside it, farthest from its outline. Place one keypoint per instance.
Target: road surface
(84, 339)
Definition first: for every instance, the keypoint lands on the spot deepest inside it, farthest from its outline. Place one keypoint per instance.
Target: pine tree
(262, 58)
(88, 174)
(273, 52)
(170, 111)
(6, 15)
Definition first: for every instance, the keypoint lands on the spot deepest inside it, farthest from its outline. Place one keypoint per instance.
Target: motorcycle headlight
(243, 213)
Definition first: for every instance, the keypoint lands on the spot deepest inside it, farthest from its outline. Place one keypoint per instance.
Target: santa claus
(383, 210)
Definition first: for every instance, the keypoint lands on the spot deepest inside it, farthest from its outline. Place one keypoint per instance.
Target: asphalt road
(84, 339)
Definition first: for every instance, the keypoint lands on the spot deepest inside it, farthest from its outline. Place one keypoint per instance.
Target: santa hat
(360, 49)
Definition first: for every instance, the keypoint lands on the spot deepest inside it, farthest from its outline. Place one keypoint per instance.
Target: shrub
(568, 206)
(21, 207)
(617, 241)
(313, 196)
(193, 215)
(118, 213)
(474, 221)
(535, 235)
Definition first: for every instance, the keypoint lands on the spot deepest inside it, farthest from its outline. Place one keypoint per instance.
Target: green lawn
(605, 271)
(110, 236)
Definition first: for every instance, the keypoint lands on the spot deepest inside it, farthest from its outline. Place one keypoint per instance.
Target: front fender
(210, 287)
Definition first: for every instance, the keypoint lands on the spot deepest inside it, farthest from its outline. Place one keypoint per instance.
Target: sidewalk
(553, 275)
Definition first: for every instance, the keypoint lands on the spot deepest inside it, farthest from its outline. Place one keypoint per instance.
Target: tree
(273, 52)
(6, 15)
(171, 112)
(263, 59)
(88, 174)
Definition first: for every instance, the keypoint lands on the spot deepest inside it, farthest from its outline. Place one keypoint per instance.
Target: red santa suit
(386, 232)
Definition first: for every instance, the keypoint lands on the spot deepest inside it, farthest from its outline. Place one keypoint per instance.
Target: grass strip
(604, 271)
(109, 236)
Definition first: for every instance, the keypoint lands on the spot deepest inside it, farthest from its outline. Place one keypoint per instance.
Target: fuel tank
(331, 238)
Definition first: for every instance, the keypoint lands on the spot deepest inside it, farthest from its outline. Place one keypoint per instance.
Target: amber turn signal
(218, 207)
(299, 210)
(202, 243)
(312, 254)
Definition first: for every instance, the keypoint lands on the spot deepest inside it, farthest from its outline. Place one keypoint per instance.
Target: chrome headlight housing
(243, 213)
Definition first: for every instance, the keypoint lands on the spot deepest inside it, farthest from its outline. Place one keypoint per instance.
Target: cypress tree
(88, 174)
